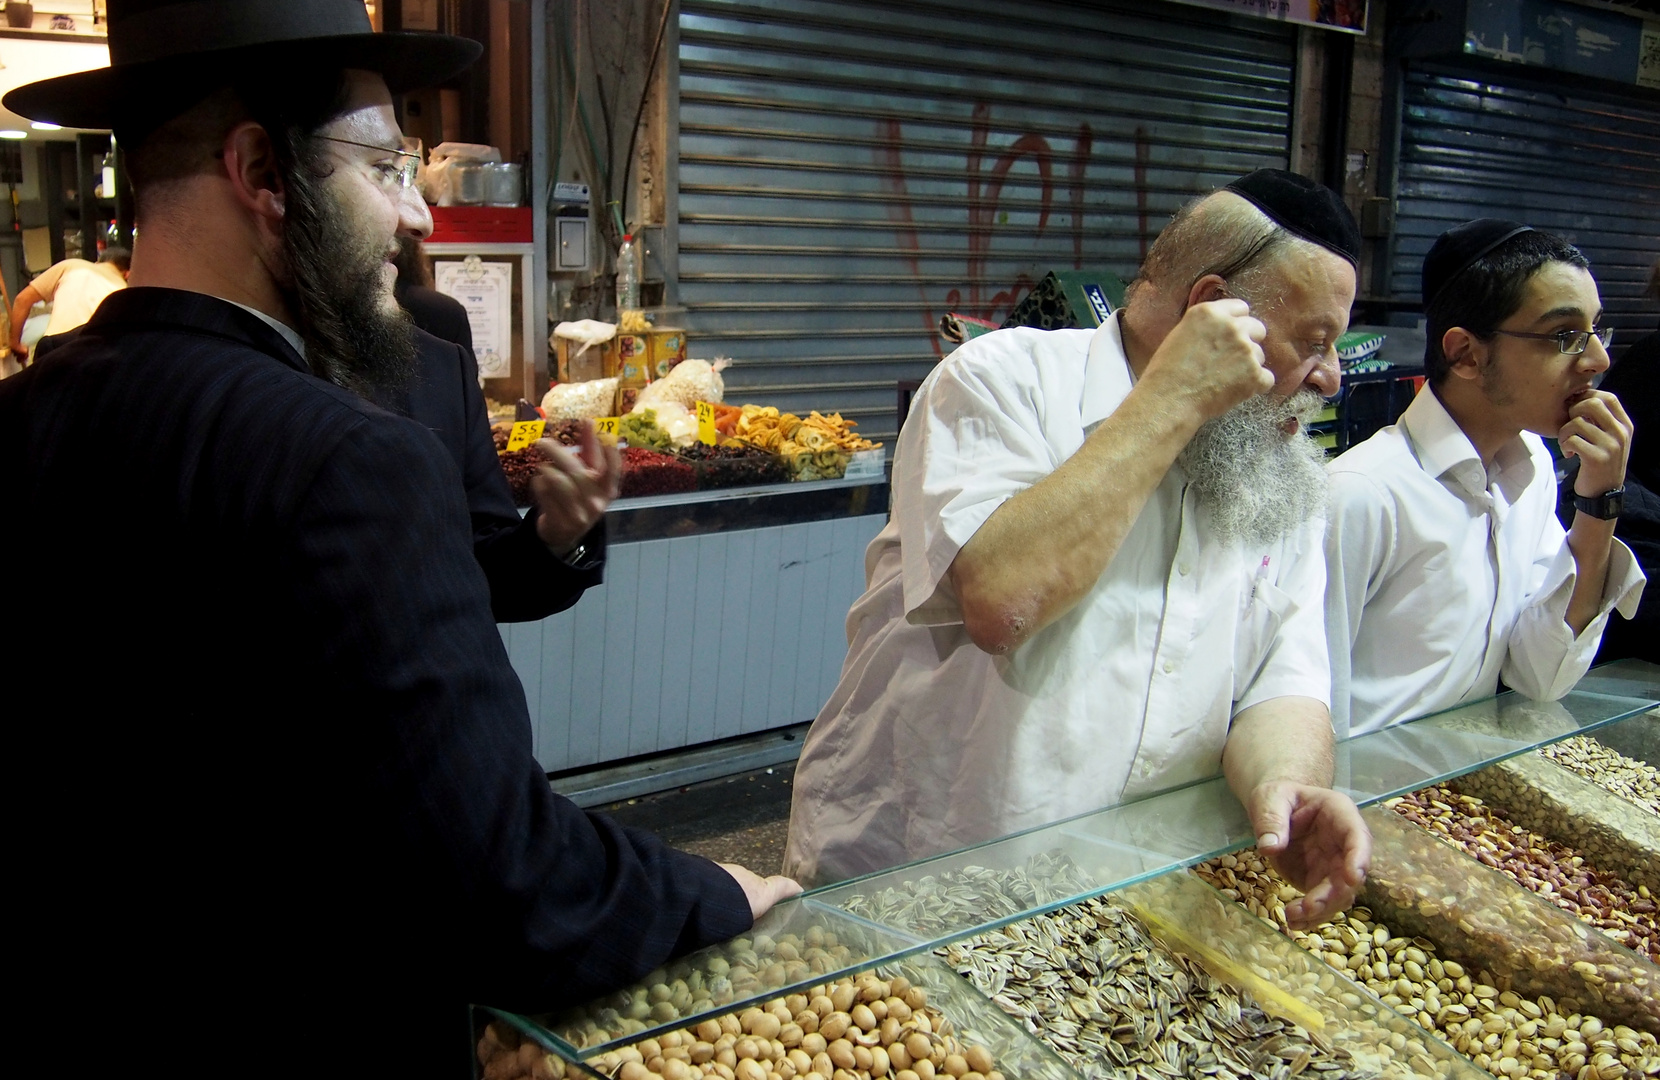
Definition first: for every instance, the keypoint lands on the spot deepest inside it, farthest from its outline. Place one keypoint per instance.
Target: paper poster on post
(486, 291)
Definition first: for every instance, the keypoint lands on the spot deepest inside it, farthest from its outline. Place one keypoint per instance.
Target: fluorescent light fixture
(13, 133)
(41, 125)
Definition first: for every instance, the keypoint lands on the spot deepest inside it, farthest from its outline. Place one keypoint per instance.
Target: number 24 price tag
(706, 433)
(524, 433)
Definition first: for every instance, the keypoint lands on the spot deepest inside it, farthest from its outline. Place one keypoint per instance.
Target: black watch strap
(1604, 507)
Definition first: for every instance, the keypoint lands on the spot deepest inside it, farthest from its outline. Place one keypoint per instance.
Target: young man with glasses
(1447, 568)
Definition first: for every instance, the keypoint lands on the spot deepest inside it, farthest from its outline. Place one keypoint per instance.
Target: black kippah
(1457, 249)
(1312, 211)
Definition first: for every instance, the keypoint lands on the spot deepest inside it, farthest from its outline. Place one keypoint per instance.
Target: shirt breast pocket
(1265, 611)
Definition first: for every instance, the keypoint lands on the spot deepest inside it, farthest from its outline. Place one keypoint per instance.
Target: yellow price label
(524, 433)
(607, 425)
(706, 433)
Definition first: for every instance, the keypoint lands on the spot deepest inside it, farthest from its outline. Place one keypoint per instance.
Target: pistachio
(1499, 1029)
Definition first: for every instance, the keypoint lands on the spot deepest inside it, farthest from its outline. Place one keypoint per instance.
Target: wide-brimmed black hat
(163, 50)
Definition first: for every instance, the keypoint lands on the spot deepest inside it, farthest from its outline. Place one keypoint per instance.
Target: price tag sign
(524, 433)
(607, 426)
(706, 433)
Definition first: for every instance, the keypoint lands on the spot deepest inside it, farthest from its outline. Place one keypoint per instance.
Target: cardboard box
(1069, 299)
(634, 359)
(667, 347)
(575, 364)
(628, 357)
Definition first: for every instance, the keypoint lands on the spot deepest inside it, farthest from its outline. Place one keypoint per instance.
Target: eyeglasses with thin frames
(401, 175)
(1571, 342)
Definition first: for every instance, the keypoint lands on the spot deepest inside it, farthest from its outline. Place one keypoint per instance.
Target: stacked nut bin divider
(1042, 927)
(1421, 886)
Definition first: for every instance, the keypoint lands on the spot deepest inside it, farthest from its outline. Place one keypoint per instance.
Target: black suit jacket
(439, 315)
(271, 771)
(1635, 380)
(526, 580)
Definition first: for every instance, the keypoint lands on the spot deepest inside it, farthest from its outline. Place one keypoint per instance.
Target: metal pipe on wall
(536, 351)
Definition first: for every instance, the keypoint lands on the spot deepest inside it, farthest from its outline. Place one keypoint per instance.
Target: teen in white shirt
(1447, 566)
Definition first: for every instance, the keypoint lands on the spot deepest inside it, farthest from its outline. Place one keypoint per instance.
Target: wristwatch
(1604, 507)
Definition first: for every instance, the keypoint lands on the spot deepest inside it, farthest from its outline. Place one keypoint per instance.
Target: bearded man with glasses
(330, 823)
(1447, 568)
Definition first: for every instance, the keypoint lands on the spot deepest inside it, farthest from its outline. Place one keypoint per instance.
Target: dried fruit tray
(1070, 861)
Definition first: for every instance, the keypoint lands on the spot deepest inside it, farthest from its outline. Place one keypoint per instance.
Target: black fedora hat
(162, 50)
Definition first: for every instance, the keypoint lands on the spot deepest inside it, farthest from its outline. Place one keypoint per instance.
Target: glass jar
(504, 184)
(467, 184)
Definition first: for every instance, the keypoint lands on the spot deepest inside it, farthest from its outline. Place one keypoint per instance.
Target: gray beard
(1257, 482)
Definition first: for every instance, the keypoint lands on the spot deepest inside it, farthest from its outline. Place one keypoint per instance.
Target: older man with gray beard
(1103, 575)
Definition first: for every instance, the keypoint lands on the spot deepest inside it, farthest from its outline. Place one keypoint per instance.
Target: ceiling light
(41, 125)
(13, 133)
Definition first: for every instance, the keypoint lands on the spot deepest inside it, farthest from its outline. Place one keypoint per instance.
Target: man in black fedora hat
(273, 785)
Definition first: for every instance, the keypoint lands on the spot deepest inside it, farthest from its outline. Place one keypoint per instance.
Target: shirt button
(1184, 569)
(1169, 667)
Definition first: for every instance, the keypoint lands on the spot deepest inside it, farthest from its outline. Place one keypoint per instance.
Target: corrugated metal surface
(1589, 170)
(850, 171)
(693, 639)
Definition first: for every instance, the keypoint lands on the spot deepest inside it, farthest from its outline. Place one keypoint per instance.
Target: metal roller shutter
(850, 171)
(1586, 169)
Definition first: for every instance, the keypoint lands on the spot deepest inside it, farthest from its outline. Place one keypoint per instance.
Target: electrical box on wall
(572, 228)
(1377, 218)
(651, 267)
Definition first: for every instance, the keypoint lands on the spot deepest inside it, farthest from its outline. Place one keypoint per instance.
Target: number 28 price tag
(524, 433)
(606, 427)
(706, 433)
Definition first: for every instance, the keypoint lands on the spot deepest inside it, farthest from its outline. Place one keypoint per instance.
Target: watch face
(1604, 507)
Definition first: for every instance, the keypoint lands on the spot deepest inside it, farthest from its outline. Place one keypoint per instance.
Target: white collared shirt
(289, 334)
(928, 743)
(1446, 574)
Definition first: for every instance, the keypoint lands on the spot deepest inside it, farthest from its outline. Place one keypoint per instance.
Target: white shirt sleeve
(1543, 657)
(973, 440)
(1296, 664)
(1359, 540)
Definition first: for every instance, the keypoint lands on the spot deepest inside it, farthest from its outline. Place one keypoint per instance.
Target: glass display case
(1127, 853)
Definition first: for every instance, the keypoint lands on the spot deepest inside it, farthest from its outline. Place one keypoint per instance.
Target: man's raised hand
(1213, 357)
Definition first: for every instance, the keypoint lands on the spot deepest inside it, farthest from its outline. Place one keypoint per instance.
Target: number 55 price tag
(524, 433)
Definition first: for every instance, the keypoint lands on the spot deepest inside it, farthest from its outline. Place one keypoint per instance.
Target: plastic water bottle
(628, 275)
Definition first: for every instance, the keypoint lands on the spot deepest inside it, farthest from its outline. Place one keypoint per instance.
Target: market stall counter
(732, 556)
(1148, 939)
(722, 614)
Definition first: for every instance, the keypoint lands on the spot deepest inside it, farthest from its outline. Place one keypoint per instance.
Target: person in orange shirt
(74, 288)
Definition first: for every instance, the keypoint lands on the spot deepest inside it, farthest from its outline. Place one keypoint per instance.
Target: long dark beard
(334, 288)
